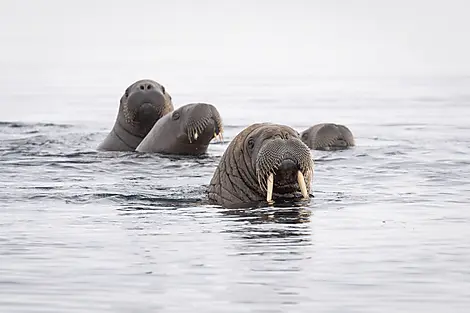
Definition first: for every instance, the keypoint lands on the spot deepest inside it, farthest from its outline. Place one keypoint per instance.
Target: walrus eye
(251, 143)
(163, 89)
(175, 116)
(126, 93)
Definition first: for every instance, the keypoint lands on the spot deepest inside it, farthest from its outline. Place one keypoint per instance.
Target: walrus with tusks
(142, 104)
(328, 136)
(186, 131)
(264, 161)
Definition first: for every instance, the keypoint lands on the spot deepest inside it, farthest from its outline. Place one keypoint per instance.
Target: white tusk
(269, 196)
(195, 135)
(218, 137)
(303, 187)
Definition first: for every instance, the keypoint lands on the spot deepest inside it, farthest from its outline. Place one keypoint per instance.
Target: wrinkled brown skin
(174, 133)
(142, 104)
(328, 136)
(240, 178)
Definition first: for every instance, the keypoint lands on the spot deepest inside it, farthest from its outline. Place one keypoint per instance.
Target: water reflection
(280, 214)
(282, 233)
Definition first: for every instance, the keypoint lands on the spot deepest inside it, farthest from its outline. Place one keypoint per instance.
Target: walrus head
(186, 131)
(141, 105)
(264, 161)
(328, 136)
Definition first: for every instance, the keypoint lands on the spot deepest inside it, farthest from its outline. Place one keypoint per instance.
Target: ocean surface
(386, 231)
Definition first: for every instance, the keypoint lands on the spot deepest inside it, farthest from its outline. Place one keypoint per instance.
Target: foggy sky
(49, 39)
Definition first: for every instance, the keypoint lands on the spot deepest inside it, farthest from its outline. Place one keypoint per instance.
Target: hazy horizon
(75, 42)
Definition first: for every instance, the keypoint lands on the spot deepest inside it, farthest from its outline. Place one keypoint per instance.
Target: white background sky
(49, 39)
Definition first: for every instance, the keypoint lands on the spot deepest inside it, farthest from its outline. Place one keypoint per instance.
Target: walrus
(328, 136)
(141, 105)
(265, 161)
(185, 131)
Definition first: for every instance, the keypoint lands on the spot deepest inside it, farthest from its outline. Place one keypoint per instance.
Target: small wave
(173, 196)
(219, 142)
(405, 125)
(31, 125)
(161, 203)
(394, 153)
(287, 215)
(232, 126)
(340, 155)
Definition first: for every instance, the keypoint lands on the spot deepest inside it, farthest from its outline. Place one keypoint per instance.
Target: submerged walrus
(141, 105)
(328, 136)
(186, 131)
(263, 162)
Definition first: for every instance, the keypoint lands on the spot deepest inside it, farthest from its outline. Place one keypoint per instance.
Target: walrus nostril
(145, 86)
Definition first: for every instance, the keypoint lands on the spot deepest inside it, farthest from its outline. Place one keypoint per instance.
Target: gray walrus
(264, 161)
(328, 136)
(186, 131)
(141, 105)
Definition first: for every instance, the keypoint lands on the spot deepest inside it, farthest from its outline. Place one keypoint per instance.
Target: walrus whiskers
(198, 127)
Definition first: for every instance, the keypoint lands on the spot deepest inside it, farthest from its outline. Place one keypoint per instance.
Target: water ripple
(386, 229)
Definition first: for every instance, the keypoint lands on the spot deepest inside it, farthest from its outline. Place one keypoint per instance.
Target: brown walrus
(265, 161)
(185, 131)
(142, 104)
(328, 136)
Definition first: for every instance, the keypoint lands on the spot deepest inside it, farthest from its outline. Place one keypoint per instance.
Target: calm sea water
(387, 229)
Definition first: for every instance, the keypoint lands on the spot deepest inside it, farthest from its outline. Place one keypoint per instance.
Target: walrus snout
(147, 107)
(288, 166)
(204, 132)
(150, 96)
(147, 115)
(144, 107)
(147, 111)
(286, 173)
(284, 166)
(340, 143)
(203, 123)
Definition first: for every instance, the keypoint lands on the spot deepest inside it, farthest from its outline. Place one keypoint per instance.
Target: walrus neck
(243, 187)
(129, 139)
